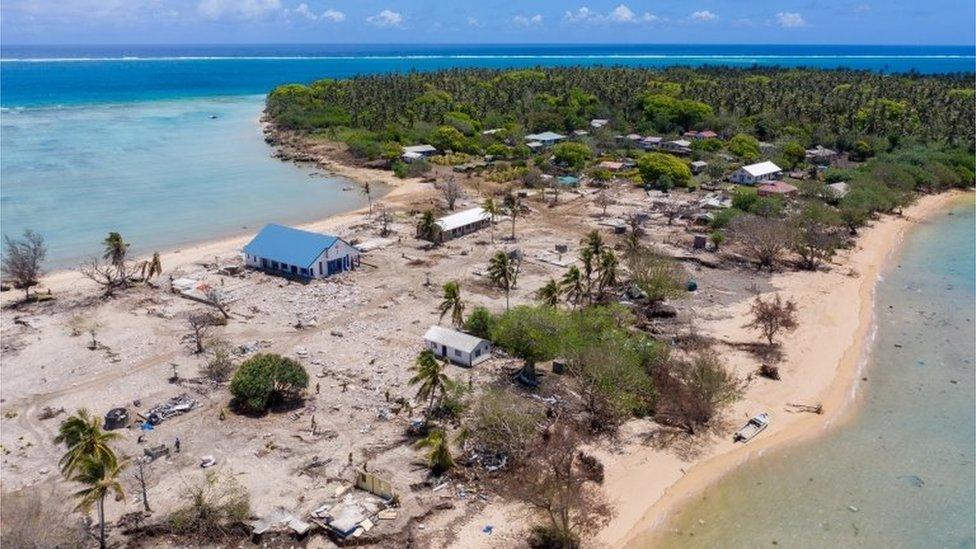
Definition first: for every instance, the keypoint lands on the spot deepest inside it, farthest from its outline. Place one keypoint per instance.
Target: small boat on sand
(752, 428)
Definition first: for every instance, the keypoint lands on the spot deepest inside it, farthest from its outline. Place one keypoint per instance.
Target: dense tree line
(835, 108)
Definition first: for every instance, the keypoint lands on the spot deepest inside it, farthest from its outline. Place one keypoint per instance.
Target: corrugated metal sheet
(289, 245)
(452, 338)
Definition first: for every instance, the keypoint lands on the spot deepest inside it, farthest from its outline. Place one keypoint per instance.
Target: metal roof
(462, 218)
(453, 338)
(762, 168)
(288, 245)
(544, 136)
(420, 149)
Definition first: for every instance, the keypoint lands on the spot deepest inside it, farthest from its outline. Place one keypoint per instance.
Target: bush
(503, 423)
(416, 168)
(573, 155)
(479, 322)
(221, 365)
(655, 167)
(265, 379)
(745, 147)
(215, 509)
(722, 218)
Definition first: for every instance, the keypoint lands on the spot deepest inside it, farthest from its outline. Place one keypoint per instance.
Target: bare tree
(451, 190)
(384, 218)
(140, 472)
(766, 238)
(109, 276)
(773, 316)
(22, 260)
(216, 297)
(200, 324)
(694, 391)
(220, 366)
(604, 201)
(562, 484)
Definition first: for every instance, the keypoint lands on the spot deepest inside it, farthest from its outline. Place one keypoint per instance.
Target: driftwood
(807, 408)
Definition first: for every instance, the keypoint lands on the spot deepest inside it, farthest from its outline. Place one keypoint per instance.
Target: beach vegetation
(438, 459)
(573, 155)
(213, 509)
(84, 438)
(99, 478)
(693, 390)
(766, 239)
(773, 316)
(267, 379)
(431, 379)
(503, 423)
(452, 304)
(479, 322)
(503, 273)
(23, 260)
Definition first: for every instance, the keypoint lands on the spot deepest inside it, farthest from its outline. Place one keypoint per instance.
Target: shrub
(574, 155)
(655, 167)
(214, 509)
(745, 147)
(266, 378)
(504, 423)
(479, 322)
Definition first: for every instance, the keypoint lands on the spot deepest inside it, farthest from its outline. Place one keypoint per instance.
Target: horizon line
(536, 44)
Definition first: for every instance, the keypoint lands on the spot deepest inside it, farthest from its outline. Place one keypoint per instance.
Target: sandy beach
(822, 365)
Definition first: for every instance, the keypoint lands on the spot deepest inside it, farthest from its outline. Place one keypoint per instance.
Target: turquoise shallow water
(905, 460)
(161, 172)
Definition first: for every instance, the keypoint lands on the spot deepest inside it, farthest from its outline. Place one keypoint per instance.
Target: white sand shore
(822, 364)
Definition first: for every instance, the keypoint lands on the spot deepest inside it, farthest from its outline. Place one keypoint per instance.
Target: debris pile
(175, 406)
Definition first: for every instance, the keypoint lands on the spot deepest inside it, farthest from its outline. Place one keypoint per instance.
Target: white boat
(752, 428)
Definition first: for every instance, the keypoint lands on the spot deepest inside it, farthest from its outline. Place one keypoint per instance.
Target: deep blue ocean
(163, 143)
(44, 75)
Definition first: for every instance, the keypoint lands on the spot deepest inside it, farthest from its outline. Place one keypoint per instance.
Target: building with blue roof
(294, 252)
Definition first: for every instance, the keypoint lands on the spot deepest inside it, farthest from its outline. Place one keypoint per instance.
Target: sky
(940, 22)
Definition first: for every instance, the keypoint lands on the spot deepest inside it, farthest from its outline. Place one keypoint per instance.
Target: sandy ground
(366, 330)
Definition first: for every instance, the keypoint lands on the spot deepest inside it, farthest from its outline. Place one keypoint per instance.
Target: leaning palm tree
(431, 378)
(439, 457)
(116, 249)
(100, 479)
(572, 285)
(452, 304)
(503, 273)
(151, 268)
(428, 228)
(84, 438)
(549, 294)
(493, 210)
(607, 272)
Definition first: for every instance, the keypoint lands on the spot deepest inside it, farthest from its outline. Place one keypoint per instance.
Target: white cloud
(790, 20)
(473, 21)
(335, 16)
(620, 14)
(238, 9)
(302, 11)
(385, 19)
(525, 20)
(703, 16)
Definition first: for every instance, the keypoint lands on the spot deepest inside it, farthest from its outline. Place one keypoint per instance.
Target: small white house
(650, 142)
(756, 173)
(599, 122)
(462, 223)
(547, 139)
(294, 252)
(458, 347)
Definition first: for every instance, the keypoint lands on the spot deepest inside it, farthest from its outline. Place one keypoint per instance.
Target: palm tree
(431, 377)
(151, 268)
(84, 438)
(115, 250)
(452, 304)
(549, 294)
(503, 273)
(100, 479)
(491, 208)
(607, 274)
(428, 228)
(513, 206)
(439, 457)
(369, 196)
(572, 285)
(593, 242)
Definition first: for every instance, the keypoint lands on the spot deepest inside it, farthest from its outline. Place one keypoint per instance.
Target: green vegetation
(265, 379)
(663, 171)
(854, 111)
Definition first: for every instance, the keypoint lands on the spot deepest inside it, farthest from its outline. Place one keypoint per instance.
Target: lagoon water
(103, 138)
(902, 471)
